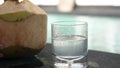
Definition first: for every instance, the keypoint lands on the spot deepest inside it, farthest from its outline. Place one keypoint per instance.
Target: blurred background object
(66, 5)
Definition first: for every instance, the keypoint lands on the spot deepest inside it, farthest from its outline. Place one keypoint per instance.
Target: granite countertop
(44, 59)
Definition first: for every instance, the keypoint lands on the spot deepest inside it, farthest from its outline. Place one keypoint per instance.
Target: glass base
(65, 65)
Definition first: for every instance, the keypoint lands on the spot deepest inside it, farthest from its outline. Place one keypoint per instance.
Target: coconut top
(13, 6)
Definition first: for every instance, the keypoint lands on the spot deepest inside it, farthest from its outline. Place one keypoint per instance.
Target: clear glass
(69, 40)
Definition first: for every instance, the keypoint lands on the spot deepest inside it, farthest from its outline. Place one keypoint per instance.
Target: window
(1, 1)
(98, 2)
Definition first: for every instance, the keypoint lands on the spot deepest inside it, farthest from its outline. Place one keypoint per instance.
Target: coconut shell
(24, 36)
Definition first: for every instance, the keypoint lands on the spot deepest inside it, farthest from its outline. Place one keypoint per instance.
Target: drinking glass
(69, 41)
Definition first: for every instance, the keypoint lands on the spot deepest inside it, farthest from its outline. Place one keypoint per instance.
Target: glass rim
(65, 23)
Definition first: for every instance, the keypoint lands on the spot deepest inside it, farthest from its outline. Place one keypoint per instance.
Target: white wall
(79, 2)
(42, 2)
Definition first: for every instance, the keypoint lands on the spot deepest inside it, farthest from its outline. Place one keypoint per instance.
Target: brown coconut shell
(25, 37)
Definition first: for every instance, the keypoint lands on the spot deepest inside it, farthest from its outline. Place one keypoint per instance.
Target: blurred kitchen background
(103, 17)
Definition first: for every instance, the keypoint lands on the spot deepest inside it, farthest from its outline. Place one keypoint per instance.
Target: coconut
(23, 28)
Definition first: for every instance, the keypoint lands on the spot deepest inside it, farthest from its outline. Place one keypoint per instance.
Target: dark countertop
(96, 59)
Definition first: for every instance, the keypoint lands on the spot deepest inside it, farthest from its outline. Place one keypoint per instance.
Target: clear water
(70, 47)
(103, 31)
